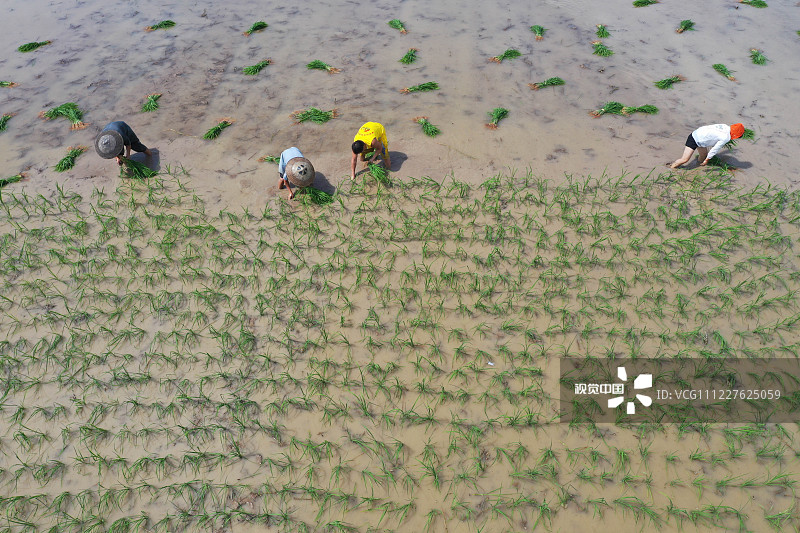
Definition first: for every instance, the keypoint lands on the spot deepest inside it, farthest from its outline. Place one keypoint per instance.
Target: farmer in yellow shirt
(371, 136)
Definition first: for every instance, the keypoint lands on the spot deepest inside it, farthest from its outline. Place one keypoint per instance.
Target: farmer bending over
(371, 136)
(294, 169)
(714, 136)
(117, 139)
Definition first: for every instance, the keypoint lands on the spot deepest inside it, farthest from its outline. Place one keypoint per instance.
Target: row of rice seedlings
(151, 102)
(256, 26)
(397, 24)
(4, 120)
(319, 65)
(427, 128)
(685, 25)
(422, 87)
(602, 50)
(70, 111)
(30, 47)
(602, 32)
(495, 116)
(163, 25)
(312, 114)
(538, 31)
(722, 69)
(252, 70)
(216, 130)
(511, 53)
(549, 82)
(667, 83)
(68, 161)
(410, 56)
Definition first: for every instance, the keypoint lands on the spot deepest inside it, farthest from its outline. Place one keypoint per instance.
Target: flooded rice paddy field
(194, 353)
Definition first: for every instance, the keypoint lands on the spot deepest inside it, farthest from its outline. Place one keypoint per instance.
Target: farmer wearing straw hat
(370, 136)
(294, 169)
(118, 138)
(714, 136)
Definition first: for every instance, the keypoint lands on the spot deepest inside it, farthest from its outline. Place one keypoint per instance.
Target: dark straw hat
(300, 171)
(108, 144)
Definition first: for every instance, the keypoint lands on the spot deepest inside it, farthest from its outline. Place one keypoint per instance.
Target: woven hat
(300, 171)
(108, 144)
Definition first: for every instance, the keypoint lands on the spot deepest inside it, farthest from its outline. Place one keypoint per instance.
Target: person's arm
(377, 149)
(353, 161)
(717, 147)
(128, 151)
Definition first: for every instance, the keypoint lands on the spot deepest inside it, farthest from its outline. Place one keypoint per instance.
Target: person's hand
(119, 160)
(704, 163)
(291, 194)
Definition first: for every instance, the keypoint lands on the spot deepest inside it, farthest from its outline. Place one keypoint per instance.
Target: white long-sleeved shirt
(715, 135)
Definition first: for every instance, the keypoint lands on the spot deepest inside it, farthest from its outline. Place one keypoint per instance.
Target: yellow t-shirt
(370, 131)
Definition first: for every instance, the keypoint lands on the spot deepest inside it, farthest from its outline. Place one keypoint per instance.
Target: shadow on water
(322, 183)
(397, 158)
(153, 161)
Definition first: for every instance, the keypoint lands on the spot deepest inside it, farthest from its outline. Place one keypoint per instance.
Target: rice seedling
(215, 131)
(719, 163)
(644, 3)
(422, 87)
(317, 116)
(410, 56)
(256, 26)
(252, 70)
(29, 47)
(397, 25)
(270, 159)
(316, 196)
(722, 69)
(150, 102)
(319, 65)
(612, 108)
(70, 110)
(685, 25)
(495, 116)
(380, 174)
(601, 50)
(602, 32)
(549, 82)
(429, 129)
(538, 31)
(7, 84)
(754, 3)
(163, 25)
(12, 179)
(68, 161)
(646, 109)
(4, 120)
(757, 57)
(667, 83)
(511, 53)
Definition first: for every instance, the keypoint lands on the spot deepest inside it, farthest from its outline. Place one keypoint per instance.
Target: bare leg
(702, 153)
(687, 155)
(387, 160)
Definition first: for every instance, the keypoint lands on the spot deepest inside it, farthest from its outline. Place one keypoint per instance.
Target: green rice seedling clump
(7, 84)
(538, 31)
(11, 179)
(422, 87)
(644, 3)
(685, 25)
(70, 110)
(319, 65)
(667, 83)
(754, 3)
(30, 47)
(511, 53)
(717, 162)
(410, 56)
(429, 129)
(757, 56)
(163, 25)
(722, 69)
(602, 32)
(495, 116)
(270, 159)
(257, 26)
(609, 108)
(68, 161)
(602, 50)
(4, 120)
(252, 70)
(312, 114)
(380, 174)
(397, 24)
(315, 196)
(215, 131)
(136, 170)
(549, 82)
(150, 102)
(646, 109)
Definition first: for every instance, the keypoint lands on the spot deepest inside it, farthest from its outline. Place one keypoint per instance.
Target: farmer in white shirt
(714, 136)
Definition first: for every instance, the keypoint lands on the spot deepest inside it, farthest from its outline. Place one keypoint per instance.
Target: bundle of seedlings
(135, 169)
(214, 132)
(422, 87)
(410, 56)
(758, 57)
(602, 32)
(257, 26)
(314, 196)
(549, 82)
(397, 25)
(538, 31)
(7, 84)
(609, 108)
(429, 129)
(70, 110)
(150, 102)
(319, 65)
(754, 3)
(380, 174)
(4, 120)
(644, 3)
(511, 53)
(12, 179)
(667, 83)
(495, 116)
(270, 159)
(30, 47)
(255, 69)
(647, 109)
(602, 50)
(68, 161)
(685, 25)
(722, 69)
(163, 25)
(317, 116)
(747, 135)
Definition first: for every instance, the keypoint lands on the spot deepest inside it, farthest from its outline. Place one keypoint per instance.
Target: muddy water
(101, 59)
